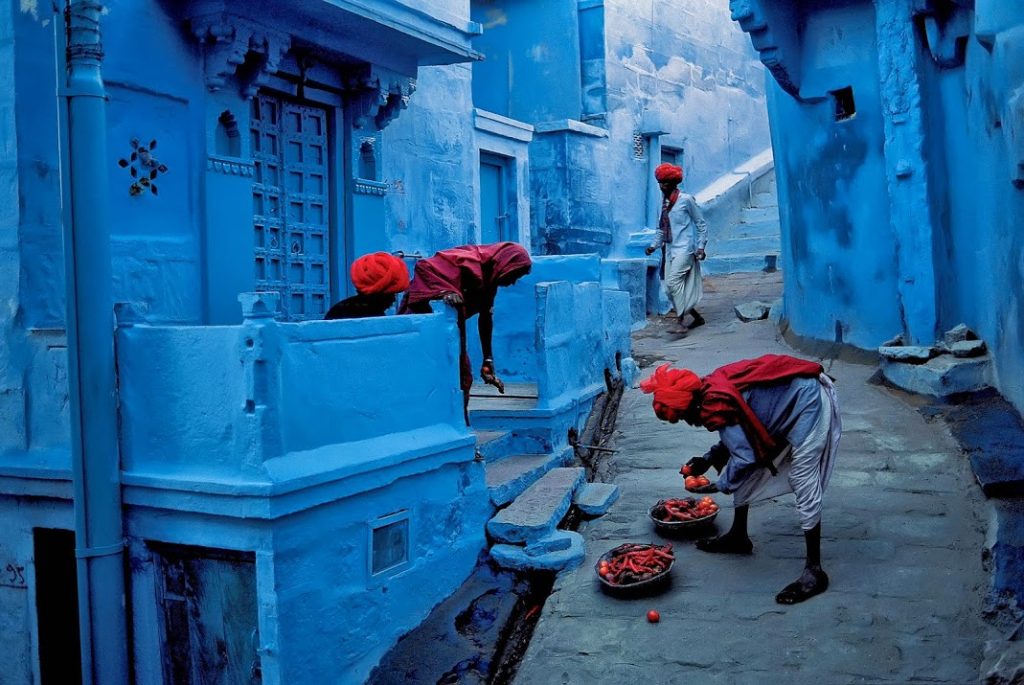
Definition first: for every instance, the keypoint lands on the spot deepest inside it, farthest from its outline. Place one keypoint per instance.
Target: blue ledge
(302, 480)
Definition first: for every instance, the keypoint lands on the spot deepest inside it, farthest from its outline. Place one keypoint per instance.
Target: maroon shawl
(470, 270)
(722, 403)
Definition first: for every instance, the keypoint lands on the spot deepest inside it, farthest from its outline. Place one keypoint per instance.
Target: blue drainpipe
(95, 459)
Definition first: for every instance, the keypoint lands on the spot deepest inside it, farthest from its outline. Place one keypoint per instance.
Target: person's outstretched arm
(485, 325)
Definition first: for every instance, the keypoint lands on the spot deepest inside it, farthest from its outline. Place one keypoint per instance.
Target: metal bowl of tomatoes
(686, 513)
(635, 568)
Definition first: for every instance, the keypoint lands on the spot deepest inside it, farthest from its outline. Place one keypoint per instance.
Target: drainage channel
(479, 635)
(592, 452)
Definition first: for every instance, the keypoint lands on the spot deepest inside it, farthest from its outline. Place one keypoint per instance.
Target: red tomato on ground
(653, 616)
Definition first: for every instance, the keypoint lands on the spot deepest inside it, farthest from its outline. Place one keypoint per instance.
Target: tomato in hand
(687, 471)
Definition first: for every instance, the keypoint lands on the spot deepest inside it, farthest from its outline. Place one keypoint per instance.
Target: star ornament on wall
(143, 167)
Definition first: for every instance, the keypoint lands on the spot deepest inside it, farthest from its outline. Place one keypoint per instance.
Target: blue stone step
(493, 444)
(536, 513)
(751, 229)
(566, 555)
(510, 477)
(744, 246)
(756, 214)
(594, 499)
(731, 264)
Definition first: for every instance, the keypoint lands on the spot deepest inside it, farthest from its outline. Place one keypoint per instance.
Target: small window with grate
(389, 543)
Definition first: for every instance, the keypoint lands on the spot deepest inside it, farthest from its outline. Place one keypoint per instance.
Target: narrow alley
(903, 532)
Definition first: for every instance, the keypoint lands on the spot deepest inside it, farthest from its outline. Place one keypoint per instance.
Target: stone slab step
(764, 200)
(536, 513)
(594, 499)
(942, 376)
(743, 263)
(493, 444)
(745, 245)
(510, 477)
(753, 214)
(565, 553)
(512, 390)
(756, 228)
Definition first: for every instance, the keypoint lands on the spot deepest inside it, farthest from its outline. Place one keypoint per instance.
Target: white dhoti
(683, 282)
(803, 469)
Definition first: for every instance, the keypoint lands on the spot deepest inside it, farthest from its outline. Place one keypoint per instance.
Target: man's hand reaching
(697, 466)
(487, 376)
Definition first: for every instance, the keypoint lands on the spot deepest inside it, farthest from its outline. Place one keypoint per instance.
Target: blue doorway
(496, 205)
(291, 205)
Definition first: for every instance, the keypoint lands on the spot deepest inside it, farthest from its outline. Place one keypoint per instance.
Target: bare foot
(726, 544)
(813, 581)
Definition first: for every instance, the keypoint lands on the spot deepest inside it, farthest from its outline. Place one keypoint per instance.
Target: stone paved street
(903, 531)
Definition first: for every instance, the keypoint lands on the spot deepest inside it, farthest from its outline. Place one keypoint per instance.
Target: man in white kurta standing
(682, 235)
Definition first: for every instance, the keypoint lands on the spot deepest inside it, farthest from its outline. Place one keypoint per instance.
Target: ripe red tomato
(687, 471)
(653, 616)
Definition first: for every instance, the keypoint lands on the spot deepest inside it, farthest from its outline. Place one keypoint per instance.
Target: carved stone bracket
(378, 96)
(238, 50)
(947, 28)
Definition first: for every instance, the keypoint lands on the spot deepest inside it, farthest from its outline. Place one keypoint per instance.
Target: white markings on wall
(30, 7)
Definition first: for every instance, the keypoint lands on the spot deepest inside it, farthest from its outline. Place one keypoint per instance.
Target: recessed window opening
(845, 107)
(389, 543)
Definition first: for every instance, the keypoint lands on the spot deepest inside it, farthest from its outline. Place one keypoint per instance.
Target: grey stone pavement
(903, 530)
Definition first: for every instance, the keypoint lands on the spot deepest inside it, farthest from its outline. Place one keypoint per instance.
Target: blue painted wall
(429, 163)
(975, 120)
(531, 61)
(903, 218)
(837, 241)
(287, 440)
(687, 66)
(590, 76)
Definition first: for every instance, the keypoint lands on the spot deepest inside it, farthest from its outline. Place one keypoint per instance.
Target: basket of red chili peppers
(635, 567)
(684, 513)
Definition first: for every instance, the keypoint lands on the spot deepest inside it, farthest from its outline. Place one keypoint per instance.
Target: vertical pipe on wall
(95, 458)
(654, 194)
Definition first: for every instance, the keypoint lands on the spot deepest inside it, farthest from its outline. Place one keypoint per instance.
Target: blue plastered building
(274, 498)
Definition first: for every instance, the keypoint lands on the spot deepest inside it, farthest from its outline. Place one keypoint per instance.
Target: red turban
(379, 273)
(669, 173)
(672, 388)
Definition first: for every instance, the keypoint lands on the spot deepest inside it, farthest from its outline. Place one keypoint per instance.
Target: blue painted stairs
(753, 244)
(531, 486)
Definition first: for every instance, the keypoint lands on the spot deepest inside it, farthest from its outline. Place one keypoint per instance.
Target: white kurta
(804, 468)
(689, 234)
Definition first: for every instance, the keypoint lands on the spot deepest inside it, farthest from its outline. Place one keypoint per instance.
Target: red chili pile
(633, 563)
(688, 509)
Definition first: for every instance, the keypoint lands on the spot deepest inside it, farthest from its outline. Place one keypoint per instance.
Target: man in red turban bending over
(468, 278)
(778, 422)
(378, 278)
